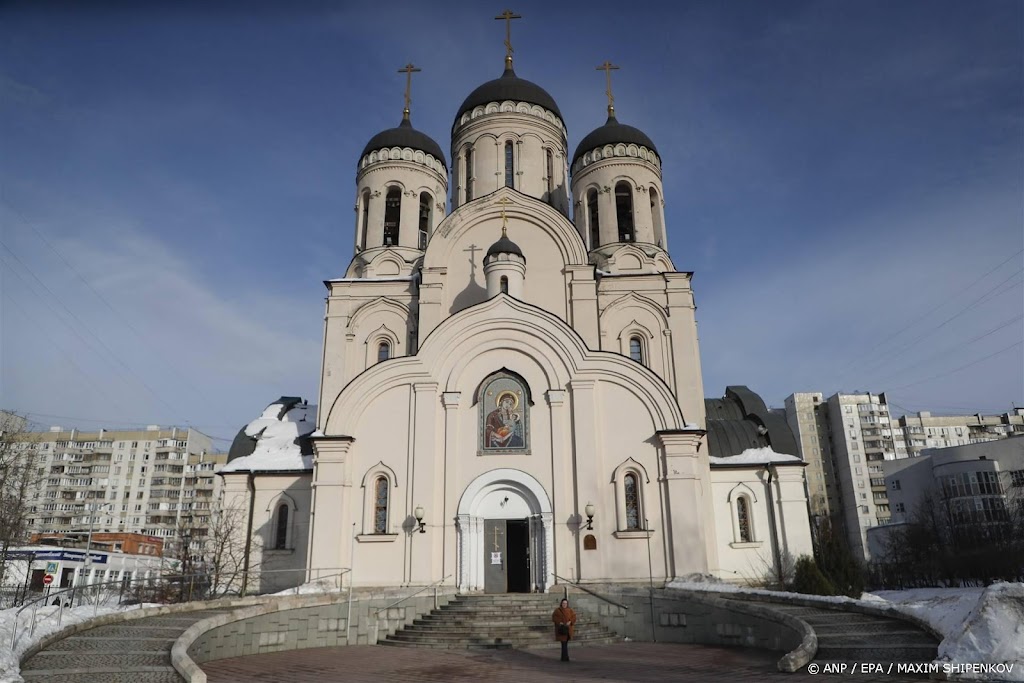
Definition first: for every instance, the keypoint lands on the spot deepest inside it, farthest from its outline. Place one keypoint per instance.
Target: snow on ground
(316, 586)
(277, 445)
(755, 456)
(978, 625)
(46, 623)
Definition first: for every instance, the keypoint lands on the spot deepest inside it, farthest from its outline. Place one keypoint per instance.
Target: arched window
(624, 211)
(743, 518)
(281, 532)
(365, 227)
(392, 215)
(659, 229)
(426, 213)
(504, 284)
(551, 176)
(636, 349)
(380, 505)
(469, 173)
(631, 488)
(509, 165)
(592, 215)
(383, 351)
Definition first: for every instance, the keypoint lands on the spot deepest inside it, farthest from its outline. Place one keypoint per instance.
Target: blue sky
(846, 180)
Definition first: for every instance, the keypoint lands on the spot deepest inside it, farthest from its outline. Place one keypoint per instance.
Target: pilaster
(686, 476)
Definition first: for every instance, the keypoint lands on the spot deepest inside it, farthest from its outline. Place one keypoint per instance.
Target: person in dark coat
(564, 619)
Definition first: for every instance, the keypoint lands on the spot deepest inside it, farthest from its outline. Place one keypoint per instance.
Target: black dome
(505, 246)
(509, 87)
(612, 133)
(405, 136)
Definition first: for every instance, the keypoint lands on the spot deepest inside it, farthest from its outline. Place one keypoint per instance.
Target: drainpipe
(251, 485)
(771, 523)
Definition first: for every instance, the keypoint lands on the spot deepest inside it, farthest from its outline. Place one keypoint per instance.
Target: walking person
(564, 619)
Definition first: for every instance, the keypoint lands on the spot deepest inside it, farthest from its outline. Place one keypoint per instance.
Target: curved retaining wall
(679, 616)
(295, 623)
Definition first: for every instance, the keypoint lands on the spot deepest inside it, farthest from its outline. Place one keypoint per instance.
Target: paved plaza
(639, 662)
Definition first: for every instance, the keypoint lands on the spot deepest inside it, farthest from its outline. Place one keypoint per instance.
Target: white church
(511, 391)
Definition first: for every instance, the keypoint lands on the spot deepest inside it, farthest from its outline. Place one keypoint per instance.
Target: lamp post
(88, 540)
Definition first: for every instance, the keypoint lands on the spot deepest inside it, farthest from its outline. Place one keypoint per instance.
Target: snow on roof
(755, 456)
(278, 440)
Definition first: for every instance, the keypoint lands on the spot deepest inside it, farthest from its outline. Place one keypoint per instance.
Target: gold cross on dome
(504, 201)
(507, 16)
(409, 69)
(607, 68)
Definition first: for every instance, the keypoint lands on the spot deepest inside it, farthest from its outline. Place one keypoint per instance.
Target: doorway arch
(504, 493)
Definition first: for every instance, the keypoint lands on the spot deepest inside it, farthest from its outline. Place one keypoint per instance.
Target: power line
(962, 367)
(87, 329)
(121, 318)
(924, 315)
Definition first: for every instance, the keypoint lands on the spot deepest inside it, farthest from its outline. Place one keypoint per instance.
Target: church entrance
(507, 556)
(505, 534)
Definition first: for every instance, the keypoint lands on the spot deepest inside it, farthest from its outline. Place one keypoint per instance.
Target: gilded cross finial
(409, 69)
(507, 16)
(504, 201)
(607, 68)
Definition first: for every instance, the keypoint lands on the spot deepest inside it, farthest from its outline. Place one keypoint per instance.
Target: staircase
(512, 620)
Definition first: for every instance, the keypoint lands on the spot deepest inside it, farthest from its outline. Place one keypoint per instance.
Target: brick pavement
(640, 662)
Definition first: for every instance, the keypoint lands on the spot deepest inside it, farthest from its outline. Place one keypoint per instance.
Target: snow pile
(755, 456)
(46, 623)
(992, 633)
(277, 445)
(944, 609)
(331, 584)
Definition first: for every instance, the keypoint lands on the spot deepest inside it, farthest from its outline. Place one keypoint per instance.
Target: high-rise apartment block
(151, 481)
(846, 438)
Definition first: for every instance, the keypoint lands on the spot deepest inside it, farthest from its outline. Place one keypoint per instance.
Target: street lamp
(88, 540)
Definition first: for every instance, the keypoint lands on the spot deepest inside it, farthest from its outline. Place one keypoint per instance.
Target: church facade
(511, 392)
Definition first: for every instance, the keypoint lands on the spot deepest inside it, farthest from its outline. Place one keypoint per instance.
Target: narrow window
(743, 515)
(469, 173)
(392, 215)
(636, 349)
(551, 176)
(624, 211)
(366, 218)
(504, 284)
(426, 213)
(632, 491)
(281, 538)
(659, 229)
(595, 225)
(380, 506)
(383, 351)
(509, 167)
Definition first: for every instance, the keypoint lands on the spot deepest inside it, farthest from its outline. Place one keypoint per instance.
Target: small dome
(405, 136)
(509, 87)
(505, 246)
(612, 133)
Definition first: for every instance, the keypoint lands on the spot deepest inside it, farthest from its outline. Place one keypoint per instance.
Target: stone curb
(191, 671)
(132, 615)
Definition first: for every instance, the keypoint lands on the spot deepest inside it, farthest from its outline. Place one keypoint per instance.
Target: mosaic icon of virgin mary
(504, 425)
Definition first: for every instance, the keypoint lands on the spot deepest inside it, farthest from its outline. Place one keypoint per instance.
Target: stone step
(491, 646)
(50, 660)
(491, 622)
(901, 639)
(879, 651)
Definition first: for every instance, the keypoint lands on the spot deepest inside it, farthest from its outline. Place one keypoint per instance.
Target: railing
(413, 595)
(169, 588)
(583, 588)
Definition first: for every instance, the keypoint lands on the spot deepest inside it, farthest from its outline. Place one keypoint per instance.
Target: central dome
(509, 88)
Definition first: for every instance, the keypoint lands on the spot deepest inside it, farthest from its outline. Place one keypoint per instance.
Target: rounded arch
(634, 299)
(509, 479)
(378, 305)
(377, 470)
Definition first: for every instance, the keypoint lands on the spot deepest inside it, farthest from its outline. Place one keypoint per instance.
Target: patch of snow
(332, 584)
(46, 623)
(755, 456)
(944, 609)
(277, 445)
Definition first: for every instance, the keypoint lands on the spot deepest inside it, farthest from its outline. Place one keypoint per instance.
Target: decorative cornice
(407, 154)
(510, 107)
(620, 150)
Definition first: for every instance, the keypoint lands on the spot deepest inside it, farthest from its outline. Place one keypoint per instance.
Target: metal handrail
(412, 595)
(594, 593)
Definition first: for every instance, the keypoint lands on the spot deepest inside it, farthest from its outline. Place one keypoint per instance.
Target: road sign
(51, 567)
(48, 579)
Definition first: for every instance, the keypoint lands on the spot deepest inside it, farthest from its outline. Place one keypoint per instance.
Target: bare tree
(21, 472)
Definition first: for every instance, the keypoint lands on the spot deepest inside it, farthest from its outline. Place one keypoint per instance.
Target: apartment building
(152, 481)
(808, 419)
(923, 430)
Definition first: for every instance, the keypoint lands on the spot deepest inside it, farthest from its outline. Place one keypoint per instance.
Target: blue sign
(70, 555)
